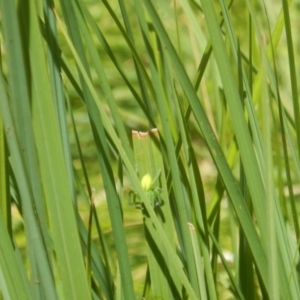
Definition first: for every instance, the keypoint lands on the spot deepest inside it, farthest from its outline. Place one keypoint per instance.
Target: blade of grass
(54, 60)
(190, 14)
(232, 279)
(12, 282)
(54, 173)
(269, 203)
(4, 181)
(199, 267)
(245, 258)
(294, 87)
(292, 67)
(245, 266)
(289, 285)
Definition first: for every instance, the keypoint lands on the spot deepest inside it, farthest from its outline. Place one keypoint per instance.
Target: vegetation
(149, 149)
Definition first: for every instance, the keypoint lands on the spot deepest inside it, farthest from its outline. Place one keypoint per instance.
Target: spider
(153, 193)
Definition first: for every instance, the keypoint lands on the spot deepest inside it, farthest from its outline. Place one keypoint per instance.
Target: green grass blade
(295, 95)
(233, 280)
(54, 62)
(54, 174)
(292, 67)
(12, 282)
(4, 181)
(245, 267)
(199, 267)
(269, 204)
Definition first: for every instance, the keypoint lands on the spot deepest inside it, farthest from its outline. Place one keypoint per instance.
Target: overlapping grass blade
(292, 67)
(54, 174)
(295, 96)
(13, 284)
(5, 202)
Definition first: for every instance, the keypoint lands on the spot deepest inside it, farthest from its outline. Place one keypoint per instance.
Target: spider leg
(158, 202)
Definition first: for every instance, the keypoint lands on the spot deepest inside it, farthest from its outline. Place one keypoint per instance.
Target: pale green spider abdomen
(146, 182)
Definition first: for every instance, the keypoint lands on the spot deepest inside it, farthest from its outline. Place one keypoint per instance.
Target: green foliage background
(219, 80)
